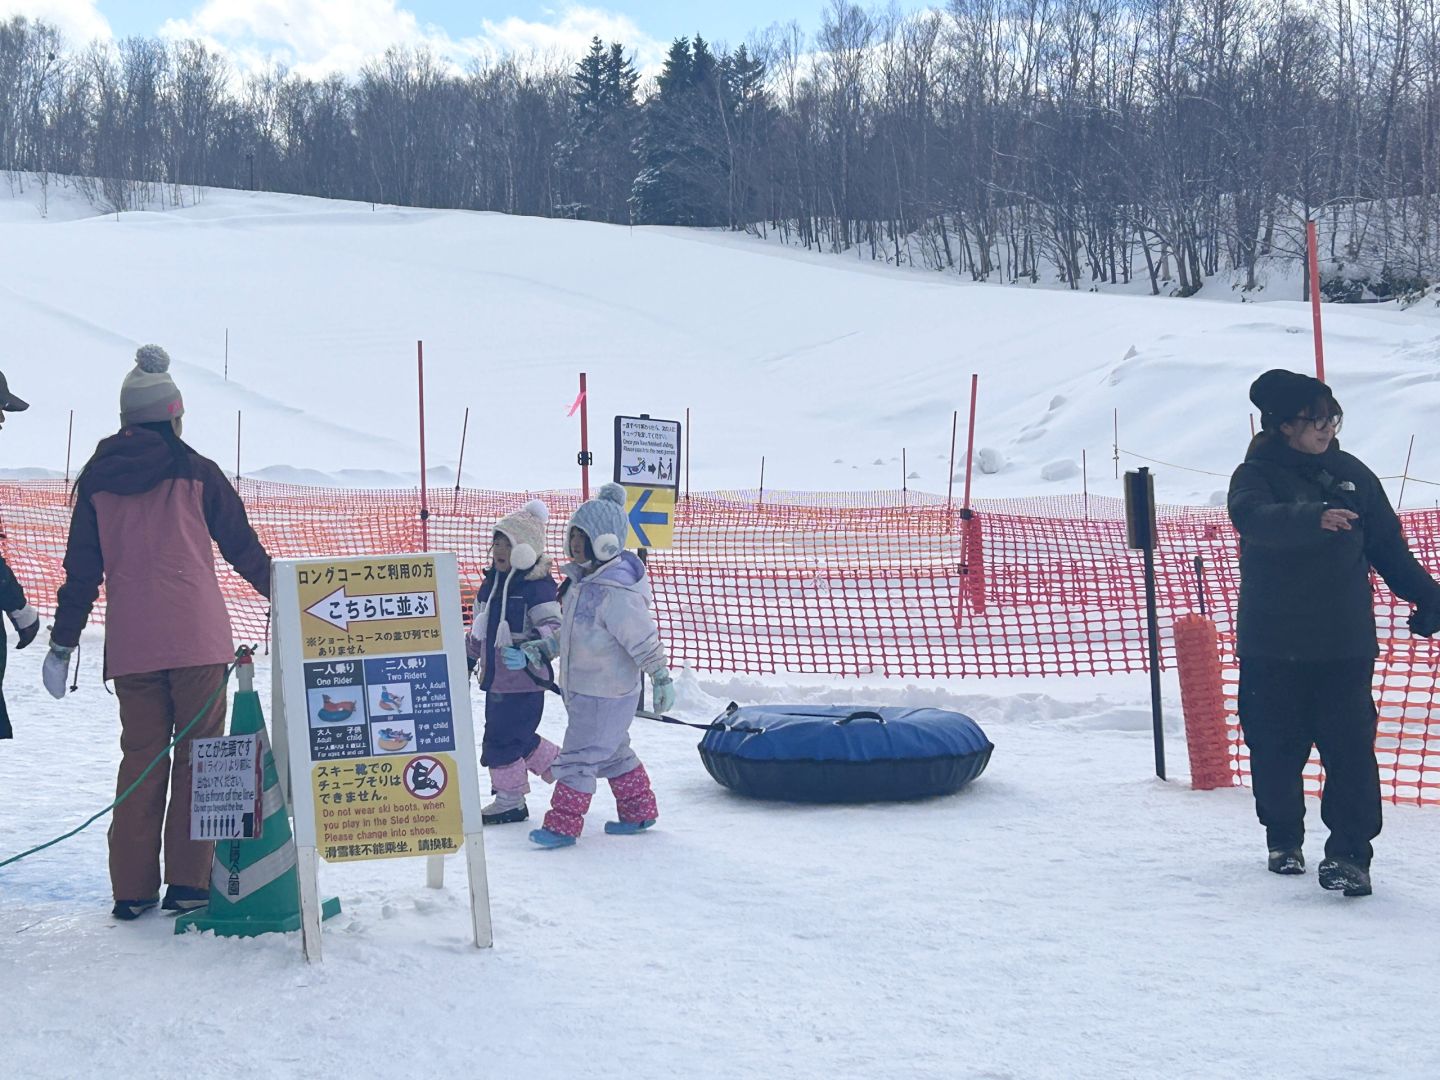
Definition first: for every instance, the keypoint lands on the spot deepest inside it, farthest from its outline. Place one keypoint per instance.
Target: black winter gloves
(1424, 621)
(27, 624)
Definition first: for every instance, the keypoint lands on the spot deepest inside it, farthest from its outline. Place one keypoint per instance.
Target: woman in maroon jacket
(147, 507)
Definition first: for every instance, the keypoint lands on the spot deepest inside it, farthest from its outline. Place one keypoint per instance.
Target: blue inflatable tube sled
(837, 754)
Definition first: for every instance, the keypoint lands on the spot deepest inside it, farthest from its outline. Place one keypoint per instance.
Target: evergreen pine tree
(683, 172)
(599, 152)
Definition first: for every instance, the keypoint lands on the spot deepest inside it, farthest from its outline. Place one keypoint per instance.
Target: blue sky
(729, 19)
(319, 36)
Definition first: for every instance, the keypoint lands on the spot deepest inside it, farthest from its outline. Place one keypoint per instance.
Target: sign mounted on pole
(370, 659)
(647, 452)
(647, 464)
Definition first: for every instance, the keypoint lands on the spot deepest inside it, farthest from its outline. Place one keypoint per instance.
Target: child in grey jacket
(607, 639)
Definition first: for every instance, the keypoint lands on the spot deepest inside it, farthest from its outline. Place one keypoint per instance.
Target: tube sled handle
(862, 714)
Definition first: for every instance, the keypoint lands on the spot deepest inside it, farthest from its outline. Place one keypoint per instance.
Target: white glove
(664, 691)
(56, 669)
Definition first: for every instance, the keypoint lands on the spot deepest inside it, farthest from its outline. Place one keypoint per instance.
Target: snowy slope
(825, 366)
(1067, 917)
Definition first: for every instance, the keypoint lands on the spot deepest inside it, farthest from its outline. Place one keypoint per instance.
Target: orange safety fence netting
(877, 583)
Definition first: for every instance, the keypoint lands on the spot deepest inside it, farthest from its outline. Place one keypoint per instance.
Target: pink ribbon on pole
(576, 407)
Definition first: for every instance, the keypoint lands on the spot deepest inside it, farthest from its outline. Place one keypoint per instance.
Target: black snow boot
(1342, 874)
(506, 817)
(1288, 861)
(183, 898)
(132, 909)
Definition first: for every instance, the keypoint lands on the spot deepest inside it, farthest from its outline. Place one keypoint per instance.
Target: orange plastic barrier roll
(972, 563)
(1202, 698)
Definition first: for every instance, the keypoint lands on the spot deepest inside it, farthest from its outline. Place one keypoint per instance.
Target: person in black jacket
(1313, 522)
(12, 595)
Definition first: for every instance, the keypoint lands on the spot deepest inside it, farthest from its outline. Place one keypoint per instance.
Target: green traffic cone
(254, 888)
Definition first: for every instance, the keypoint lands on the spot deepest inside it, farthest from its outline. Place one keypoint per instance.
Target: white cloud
(317, 37)
(77, 20)
(569, 35)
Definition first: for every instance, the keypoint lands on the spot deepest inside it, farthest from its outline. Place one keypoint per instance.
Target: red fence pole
(1313, 244)
(69, 441)
(424, 489)
(584, 440)
(237, 449)
(687, 453)
(970, 440)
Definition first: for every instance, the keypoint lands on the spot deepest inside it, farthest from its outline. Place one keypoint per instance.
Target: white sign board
(370, 660)
(647, 452)
(225, 788)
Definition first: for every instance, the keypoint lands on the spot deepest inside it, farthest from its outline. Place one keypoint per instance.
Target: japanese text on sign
(384, 705)
(225, 788)
(369, 607)
(647, 452)
(379, 808)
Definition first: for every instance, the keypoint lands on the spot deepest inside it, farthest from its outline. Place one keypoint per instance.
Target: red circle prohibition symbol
(426, 777)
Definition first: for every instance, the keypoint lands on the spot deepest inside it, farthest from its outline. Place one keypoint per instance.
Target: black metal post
(1152, 617)
(1141, 533)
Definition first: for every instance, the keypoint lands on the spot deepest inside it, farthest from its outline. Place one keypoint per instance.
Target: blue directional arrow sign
(652, 516)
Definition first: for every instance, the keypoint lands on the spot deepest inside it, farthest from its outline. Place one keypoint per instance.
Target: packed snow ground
(1068, 916)
(825, 365)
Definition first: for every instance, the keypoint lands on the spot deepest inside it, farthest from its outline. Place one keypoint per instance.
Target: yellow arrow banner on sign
(651, 512)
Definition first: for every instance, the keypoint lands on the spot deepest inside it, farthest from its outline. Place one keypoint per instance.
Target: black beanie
(1285, 394)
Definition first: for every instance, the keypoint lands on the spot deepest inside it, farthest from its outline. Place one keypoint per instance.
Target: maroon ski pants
(153, 707)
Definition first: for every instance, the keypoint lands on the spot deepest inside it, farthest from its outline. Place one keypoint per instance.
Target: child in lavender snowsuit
(516, 603)
(607, 639)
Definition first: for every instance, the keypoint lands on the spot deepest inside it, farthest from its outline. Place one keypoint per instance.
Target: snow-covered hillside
(1066, 917)
(826, 366)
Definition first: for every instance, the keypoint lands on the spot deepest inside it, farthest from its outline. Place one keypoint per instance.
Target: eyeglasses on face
(1320, 423)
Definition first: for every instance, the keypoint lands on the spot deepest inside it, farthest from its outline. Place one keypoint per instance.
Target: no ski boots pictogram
(425, 777)
(340, 610)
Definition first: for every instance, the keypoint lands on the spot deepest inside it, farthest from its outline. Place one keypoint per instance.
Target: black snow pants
(1286, 707)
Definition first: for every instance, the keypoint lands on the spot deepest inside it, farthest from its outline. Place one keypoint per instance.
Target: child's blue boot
(627, 828)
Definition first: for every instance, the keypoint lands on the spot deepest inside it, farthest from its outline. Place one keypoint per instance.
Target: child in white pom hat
(516, 604)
